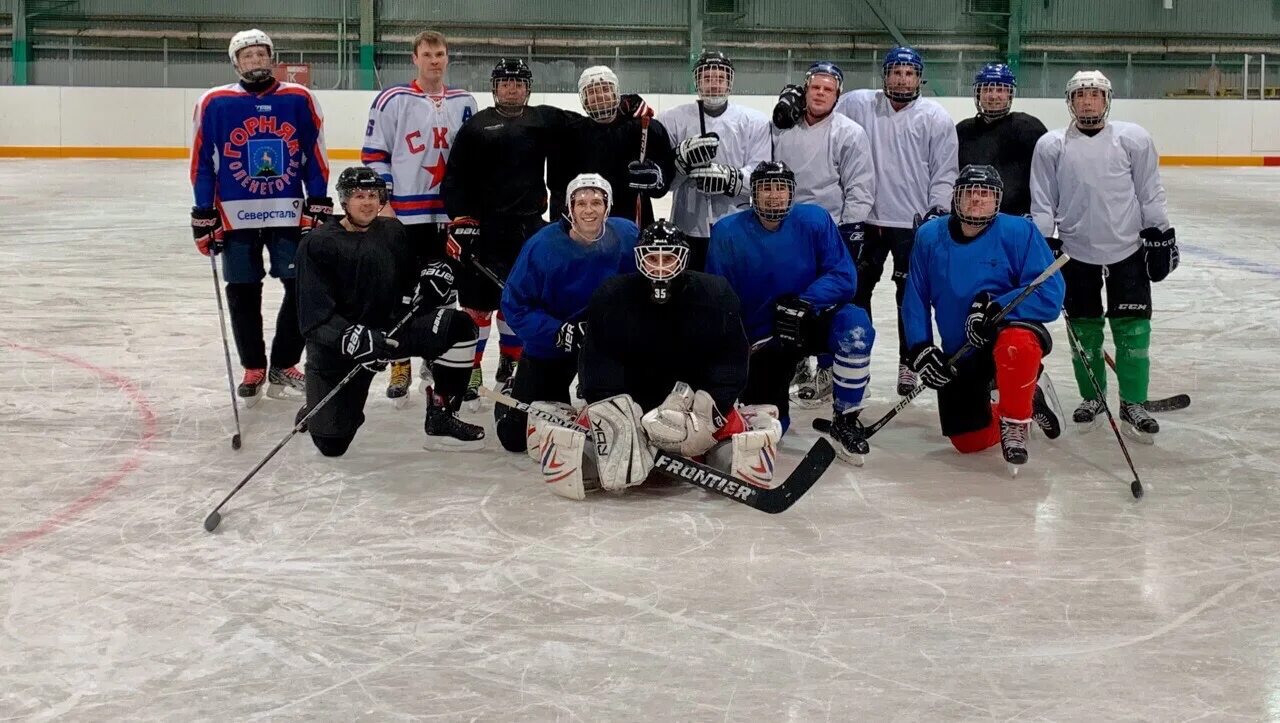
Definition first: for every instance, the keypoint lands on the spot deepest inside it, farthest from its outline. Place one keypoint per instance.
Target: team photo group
(629, 343)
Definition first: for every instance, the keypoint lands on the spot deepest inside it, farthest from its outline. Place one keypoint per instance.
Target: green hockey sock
(1133, 363)
(1089, 332)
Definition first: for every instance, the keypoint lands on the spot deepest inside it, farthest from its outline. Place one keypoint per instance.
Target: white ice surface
(395, 584)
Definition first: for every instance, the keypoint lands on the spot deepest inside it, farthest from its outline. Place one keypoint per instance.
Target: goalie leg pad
(536, 428)
(751, 456)
(622, 453)
(561, 456)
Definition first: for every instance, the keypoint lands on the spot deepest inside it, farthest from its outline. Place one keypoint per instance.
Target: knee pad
(1042, 334)
(1131, 334)
(331, 446)
(1018, 346)
(1089, 331)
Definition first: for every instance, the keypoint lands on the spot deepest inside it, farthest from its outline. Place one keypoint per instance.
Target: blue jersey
(946, 274)
(555, 276)
(252, 153)
(803, 256)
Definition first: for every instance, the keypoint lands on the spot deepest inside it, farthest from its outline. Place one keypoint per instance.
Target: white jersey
(407, 142)
(915, 151)
(744, 142)
(833, 166)
(1100, 191)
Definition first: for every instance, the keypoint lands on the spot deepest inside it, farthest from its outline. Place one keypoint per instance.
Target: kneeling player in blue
(546, 296)
(796, 281)
(965, 268)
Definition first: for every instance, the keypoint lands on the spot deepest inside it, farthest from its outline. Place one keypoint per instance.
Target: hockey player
(1099, 182)
(717, 144)
(965, 268)
(410, 133)
(623, 372)
(257, 143)
(357, 278)
(795, 279)
(495, 193)
(831, 157)
(607, 141)
(1000, 136)
(913, 148)
(545, 300)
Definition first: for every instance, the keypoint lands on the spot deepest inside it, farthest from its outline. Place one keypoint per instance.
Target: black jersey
(607, 149)
(1008, 144)
(496, 166)
(348, 277)
(638, 347)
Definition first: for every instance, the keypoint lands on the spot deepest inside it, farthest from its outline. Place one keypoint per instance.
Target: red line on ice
(107, 484)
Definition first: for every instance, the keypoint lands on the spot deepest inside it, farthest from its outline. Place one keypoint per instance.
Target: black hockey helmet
(716, 58)
(974, 177)
(358, 178)
(662, 239)
(511, 69)
(713, 93)
(767, 174)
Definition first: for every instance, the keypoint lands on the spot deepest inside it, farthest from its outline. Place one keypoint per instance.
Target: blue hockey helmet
(994, 75)
(826, 67)
(977, 178)
(898, 57)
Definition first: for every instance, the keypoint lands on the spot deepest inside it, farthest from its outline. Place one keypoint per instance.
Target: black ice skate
(850, 437)
(1138, 423)
(447, 433)
(303, 411)
(907, 380)
(813, 386)
(506, 375)
(401, 380)
(1086, 415)
(285, 383)
(1013, 442)
(1046, 412)
(250, 389)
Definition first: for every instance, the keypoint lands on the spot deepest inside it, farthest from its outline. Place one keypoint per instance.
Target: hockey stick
(487, 272)
(1168, 404)
(683, 469)
(226, 350)
(215, 518)
(1031, 287)
(644, 149)
(1136, 486)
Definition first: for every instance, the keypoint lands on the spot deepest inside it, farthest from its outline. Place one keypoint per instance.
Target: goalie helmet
(247, 39)
(598, 92)
(1085, 80)
(766, 176)
(588, 181)
(662, 252)
(898, 57)
(713, 78)
(977, 178)
(360, 178)
(994, 75)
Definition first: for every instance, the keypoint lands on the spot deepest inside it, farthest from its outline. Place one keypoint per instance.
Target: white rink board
(395, 584)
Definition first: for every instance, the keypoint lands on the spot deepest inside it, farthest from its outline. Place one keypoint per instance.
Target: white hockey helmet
(601, 105)
(248, 38)
(584, 181)
(1085, 80)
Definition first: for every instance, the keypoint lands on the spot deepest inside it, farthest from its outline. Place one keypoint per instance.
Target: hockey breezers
(683, 469)
(215, 518)
(820, 424)
(1168, 404)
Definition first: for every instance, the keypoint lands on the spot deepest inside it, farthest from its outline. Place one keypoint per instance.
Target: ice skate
(907, 380)
(1137, 423)
(813, 386)
(850, 437)
(1013, 443)
(250, 389)
(1086, 415)
(401, 380)
(506, 375)
(1046, 411)
(447, 433)
(286, 383)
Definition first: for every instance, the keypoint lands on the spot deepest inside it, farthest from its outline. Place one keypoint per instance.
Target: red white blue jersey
(407, 141)
(253, 153)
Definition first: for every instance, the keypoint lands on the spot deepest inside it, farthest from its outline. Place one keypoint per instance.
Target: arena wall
(85, 122)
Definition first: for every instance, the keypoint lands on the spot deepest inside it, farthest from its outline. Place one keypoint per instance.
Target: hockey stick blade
(682, 469)
(1168, 404)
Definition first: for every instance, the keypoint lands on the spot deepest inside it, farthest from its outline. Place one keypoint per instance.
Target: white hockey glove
(696, 152)
(622, 453)
(717, 178)
(685, 423)
(536, 428)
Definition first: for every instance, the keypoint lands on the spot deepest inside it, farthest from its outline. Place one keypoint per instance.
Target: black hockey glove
(927, 361)
(370, 348)
(633, 105)
(717, 178)
(933, 213)
(696, 152)
(206, 227)
(1055, 245)
(853, 235)
(316, 211)
(790, 107)
(434, 289)
(792, 319)
(1161, 251)
(464, 234)
(644, 176)
(571, 335)
(979, 326)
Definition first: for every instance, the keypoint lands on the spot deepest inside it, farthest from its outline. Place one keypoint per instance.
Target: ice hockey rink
(397, 584)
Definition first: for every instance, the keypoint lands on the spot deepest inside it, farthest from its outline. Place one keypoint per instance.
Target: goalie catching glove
(688, 423)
